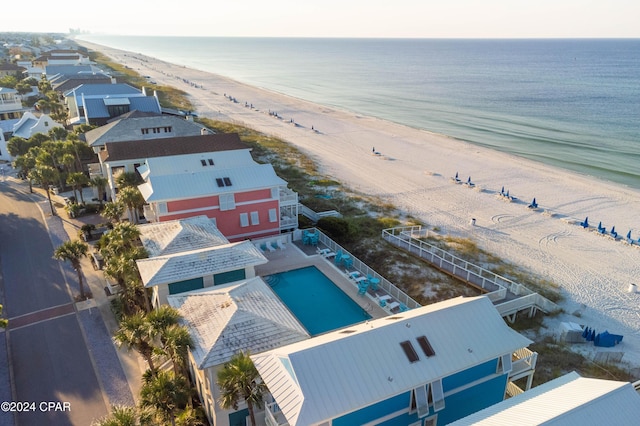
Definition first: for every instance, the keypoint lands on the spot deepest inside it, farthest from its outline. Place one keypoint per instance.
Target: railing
(273, 415)
(287, 196)
(306, 211)
(365, 270)
(496, 286)
(513, 389)
(525, 361)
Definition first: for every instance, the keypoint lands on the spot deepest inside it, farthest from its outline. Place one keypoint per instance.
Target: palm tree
(120, 416)
(113, 211)
(77, 180)
(166, 393)
(136, 333)
(26, 163)
(46, 175)
(131, 197)
(73, 251)
(100, 183)
(128, 179)
(239, 380)
(176, 341)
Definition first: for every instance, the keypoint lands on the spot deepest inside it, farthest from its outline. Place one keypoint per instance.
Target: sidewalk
(119, 371)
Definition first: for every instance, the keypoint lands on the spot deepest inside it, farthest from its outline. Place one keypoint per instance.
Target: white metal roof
(177, 236)
(202, 262)
(246, 315)
(342, 371)
(203, 183)
(568, 400)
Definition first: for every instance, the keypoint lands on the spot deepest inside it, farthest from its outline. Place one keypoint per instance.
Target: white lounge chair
(393, 305)
(282, 244)
(326, 253)
(270, 246)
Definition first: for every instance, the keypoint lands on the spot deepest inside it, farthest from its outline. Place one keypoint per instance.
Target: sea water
(571, 103)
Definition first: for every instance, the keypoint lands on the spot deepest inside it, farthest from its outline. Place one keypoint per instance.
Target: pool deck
(296, 256)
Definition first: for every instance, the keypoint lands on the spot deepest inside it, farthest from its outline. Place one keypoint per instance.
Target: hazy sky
(331, 18)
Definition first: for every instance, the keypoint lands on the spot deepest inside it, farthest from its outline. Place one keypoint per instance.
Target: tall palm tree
(100, 183)
(46, 175)
(176, 341)
(166, 393)
(73, 251)
(136, 333)
(239, 380)
(131, 197)
(77, 180)
(113, 211)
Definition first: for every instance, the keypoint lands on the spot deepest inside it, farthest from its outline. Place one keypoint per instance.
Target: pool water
(315, 300)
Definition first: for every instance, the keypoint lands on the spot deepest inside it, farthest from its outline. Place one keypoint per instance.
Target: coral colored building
(211, 175)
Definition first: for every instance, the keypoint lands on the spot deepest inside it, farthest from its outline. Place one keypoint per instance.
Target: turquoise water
(315, 300)
(571, 103)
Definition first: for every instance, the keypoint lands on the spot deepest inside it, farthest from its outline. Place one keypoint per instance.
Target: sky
(332, 18)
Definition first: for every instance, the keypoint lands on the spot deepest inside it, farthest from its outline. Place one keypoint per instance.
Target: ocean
(570, 103)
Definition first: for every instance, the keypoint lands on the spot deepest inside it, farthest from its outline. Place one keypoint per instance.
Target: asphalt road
(46, 350)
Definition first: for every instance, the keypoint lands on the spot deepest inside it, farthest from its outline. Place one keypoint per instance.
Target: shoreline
(413, 172)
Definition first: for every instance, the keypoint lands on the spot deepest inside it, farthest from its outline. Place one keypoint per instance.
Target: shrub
(336, 228)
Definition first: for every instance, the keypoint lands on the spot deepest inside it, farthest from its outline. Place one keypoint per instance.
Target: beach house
(212, 175)
(566, 401)
(427, 366)
(223, 320)
(30, 124)
(11, 111)
(190, 254)
(98, 103)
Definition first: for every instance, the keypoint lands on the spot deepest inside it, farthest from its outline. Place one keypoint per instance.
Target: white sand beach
(413, 171)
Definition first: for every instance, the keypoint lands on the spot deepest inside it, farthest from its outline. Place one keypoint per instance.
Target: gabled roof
(64, 82)
(198, 263)
(149, 148)
(51, 70)
(568, 400)
(128, 127)
(224, 320)
(345, 370)
(192, 184)
(9, 66)
(176, 236)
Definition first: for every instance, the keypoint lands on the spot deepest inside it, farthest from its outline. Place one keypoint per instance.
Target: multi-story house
(427, 366)
(212, 175)
(98, 103)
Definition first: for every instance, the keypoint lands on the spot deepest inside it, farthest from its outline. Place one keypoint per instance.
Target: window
(411, 354)
(255, 219)
(422, 406)
(272, 215)
(210, 160)
(227, 202)
(437, 395)
(222, 182)
(244, 220)
(426, 346)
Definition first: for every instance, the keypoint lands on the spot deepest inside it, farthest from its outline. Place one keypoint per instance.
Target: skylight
(222, 182)
(426, 346)
(409, 351)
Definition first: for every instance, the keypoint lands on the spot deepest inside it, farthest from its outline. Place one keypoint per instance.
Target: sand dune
(413, 172)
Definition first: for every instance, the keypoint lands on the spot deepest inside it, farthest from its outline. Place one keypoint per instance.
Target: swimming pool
(315, 300)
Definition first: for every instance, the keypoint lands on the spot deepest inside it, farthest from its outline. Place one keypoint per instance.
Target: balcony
(273, 415)
(287, 197)
(523, 364)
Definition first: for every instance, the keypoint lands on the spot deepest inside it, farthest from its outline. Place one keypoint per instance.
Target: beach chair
(338, 257)
(282, 245)
(391, 306)
(585, 224)
(613, 233)
(533, 205)
(258, 246)
(456, 179)
(403, 307)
